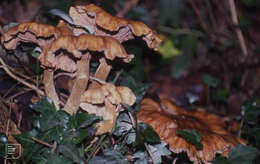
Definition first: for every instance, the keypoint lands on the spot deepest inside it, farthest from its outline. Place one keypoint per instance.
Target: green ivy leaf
(142, 156)
(192, 136)
(238, 154)
(168, 50)
(69, 150)
(158, 151)
(56, 159)
(137, 87)
(111, 156)
(146, 133)
(45, 106)
(83, 120)
(123, 124)
(220, 96)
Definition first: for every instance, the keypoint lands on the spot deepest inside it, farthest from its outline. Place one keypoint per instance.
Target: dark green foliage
(220, 96)
(239, 154)
(56, 126)
(192, 136)
(145, 133)
(137, 87)
(251, 121)
(210, 81)
(111, 156)
(187, 46)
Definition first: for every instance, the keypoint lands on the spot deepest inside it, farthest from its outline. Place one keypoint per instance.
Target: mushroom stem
(102, 72)
(50, 87)
(80, 84)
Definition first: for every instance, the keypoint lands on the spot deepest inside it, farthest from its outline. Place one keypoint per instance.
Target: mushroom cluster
(69, 47)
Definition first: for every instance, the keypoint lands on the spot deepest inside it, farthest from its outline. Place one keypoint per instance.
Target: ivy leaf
(192, 136)
(45, 106)
(123, 124)
(251, 121)
(69, 150)
(142, 156)
(158, 151)
(137, 87)
(168, 50)
(55, 159)
(220, 96)
(68, 19)
(110, 157)
(239, 154)
(146, 133)
(83, 120)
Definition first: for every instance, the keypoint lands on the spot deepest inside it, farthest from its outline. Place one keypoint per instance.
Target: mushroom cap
(33, 32)
(115, 95)
(77, 44)
(167, 118)
(107, 111)
(105, 24)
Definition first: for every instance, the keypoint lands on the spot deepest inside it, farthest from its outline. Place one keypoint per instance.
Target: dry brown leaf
(75, 45)
(167, 118)
(107, 25)
(32, 32)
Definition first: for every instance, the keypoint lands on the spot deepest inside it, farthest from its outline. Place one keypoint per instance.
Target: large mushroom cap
(33, 32)
(107, 25)
(166, 119)
(77, 44)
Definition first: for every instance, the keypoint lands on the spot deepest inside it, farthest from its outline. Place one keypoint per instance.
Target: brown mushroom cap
(107, 111)
(33, 32)
(166, 119)
(107, 25)
(75, 45)
(115, 95)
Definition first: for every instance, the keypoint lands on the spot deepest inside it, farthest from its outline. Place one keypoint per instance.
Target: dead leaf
(167, 118)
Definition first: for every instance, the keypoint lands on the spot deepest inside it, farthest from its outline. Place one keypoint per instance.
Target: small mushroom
(166, 119)
(106, 101)
(76, 47)
(107, 111)
(115, 94)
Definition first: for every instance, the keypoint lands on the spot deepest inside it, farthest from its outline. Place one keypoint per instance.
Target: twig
(202, 23)
(36, 89)
(150, 153)
(97, 147)
(238, 31)
(127, 7)
(43, 142)
(18, 94)
(117, 76)
(22, 75)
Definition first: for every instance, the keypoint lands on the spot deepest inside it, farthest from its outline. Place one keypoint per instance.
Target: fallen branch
(5, 67)
(238, 31)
